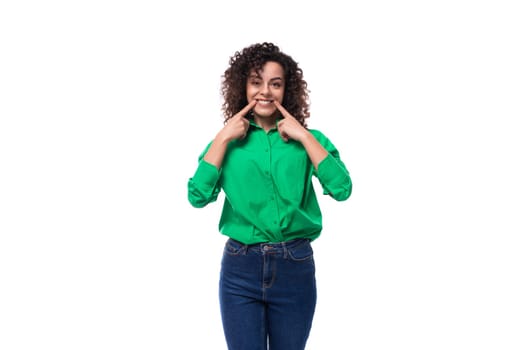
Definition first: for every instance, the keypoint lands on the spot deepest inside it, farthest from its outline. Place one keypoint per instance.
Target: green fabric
(269, 195)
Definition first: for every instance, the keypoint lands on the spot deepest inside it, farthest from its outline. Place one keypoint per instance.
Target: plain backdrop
(106, 105)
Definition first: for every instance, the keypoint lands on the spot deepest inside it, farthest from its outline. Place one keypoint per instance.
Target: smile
(264, 102)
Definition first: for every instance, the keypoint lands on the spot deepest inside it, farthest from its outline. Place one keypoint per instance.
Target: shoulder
(203, 153)
(318, 135)
(323, 140)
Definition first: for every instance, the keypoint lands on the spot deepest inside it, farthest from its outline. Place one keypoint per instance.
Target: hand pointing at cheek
(237, 126)
(289, 127)
(235, 129)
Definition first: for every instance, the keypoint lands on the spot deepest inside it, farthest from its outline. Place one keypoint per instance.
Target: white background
(105, 106)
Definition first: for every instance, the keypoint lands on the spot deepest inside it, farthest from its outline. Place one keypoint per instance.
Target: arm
(290, 128)
(236, 128)
(329, 168)
(332, 173)
(314, 149)
(204, 186)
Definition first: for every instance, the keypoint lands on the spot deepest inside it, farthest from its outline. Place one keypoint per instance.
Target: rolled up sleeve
(203, 187)
(332, 172)
(334, 178)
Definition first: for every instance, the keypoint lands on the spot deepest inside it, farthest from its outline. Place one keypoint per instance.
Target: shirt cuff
(330, 171)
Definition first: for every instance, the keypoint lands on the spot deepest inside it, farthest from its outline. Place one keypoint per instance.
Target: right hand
(237, 126)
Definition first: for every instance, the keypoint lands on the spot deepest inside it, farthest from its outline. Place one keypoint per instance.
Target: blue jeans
(267, 295)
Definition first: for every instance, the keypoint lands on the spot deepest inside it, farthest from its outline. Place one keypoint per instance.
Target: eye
(255, 82)
(276, 85)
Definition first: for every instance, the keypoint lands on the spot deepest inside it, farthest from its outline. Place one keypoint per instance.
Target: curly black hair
(233, 88)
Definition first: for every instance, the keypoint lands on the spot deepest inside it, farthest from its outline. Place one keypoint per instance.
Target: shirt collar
(252, 123)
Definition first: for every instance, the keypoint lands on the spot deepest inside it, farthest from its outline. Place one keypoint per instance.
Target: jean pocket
(233, 247)
(301, 252)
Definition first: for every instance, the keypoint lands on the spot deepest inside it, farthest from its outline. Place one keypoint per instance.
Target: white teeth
(264, 102)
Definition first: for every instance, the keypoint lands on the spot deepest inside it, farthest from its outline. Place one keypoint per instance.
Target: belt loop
(285, 250)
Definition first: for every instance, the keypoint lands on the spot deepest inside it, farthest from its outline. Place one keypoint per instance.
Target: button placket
(272, 190)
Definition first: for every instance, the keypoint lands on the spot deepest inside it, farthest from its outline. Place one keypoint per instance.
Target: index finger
(281, 109)
(246, 109)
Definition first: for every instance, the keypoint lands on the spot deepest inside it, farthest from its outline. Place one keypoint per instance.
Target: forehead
(270, 70)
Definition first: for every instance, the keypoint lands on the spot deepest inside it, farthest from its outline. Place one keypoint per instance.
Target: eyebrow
(257, 76)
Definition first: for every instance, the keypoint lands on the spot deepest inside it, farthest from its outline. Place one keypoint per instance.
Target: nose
(264, 89)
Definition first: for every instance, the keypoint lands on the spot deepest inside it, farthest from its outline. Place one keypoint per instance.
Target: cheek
(250, 92)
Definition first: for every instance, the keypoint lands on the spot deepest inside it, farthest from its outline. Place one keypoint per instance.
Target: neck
(267, 123)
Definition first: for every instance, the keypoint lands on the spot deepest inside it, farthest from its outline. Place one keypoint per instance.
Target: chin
(265, 113)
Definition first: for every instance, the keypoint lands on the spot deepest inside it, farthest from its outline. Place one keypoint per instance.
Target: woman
(264, 159)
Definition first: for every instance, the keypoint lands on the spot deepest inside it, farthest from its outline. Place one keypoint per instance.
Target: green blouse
(269, 195)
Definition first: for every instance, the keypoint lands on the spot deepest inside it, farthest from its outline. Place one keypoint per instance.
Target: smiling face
(266, 86)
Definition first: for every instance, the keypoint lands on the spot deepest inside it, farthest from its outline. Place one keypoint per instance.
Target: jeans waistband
(270, 248)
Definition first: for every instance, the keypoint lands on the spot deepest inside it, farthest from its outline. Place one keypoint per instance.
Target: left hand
(289, 127)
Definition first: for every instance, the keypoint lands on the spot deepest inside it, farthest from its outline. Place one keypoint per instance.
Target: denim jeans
(267, 295)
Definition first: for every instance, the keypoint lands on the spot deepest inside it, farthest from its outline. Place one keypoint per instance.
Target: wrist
(222, 138)
(305, 136)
